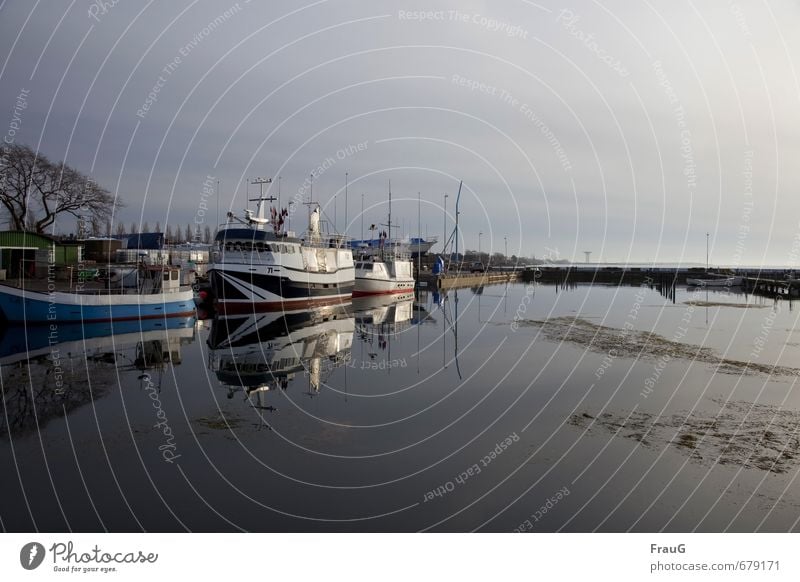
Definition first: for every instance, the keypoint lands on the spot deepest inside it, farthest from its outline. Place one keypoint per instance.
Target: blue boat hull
(34, 307)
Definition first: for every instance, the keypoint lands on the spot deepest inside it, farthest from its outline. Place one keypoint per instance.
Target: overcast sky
(627, 129)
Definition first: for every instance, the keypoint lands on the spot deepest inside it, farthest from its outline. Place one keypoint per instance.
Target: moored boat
(388, 272)
(382, 277)
(158, 294)
(258, 266)
(715, 282)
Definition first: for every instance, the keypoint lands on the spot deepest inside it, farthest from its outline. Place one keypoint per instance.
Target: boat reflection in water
(263, 352)
(49, 371)
(378, 321)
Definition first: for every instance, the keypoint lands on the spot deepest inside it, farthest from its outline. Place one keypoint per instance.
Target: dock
(760, 285)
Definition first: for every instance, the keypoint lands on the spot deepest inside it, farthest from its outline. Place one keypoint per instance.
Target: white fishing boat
(388, 272)
(259, 266)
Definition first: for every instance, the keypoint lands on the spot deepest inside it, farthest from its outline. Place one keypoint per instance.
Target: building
(30, 253)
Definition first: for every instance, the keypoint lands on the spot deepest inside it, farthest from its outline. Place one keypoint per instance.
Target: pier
(457, 280)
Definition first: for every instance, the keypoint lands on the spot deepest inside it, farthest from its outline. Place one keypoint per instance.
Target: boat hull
(365, 287)
(245, 289)
(722, 282)
(38, 307)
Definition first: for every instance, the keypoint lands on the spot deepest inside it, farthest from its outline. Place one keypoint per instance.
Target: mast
(389, 238)
(260, 215)
(458, 200)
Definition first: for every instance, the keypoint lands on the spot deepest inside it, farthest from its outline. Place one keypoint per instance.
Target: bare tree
(168, 234)
(19, 170)
(133, 229)
(36, 191)
(120, 228)
(158, 226)
(207, 234)
(145, 227)
(188, 233)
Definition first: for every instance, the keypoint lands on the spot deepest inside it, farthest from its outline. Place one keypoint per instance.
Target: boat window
(228, 246)
(166, 275)
(174, 275)
(268, 247)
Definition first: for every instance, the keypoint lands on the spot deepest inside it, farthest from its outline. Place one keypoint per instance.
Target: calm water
(450, 413)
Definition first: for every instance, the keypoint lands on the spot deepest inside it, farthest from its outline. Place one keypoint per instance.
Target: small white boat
(382, 277)
(388, 272)
(715, 282)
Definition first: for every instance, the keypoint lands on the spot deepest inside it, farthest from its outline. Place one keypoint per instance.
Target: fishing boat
(388, 272)
(258, 266)
(715, 282)
(158, 293)
(374, 246)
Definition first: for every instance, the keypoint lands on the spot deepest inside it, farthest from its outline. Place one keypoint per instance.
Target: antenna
(260, 216)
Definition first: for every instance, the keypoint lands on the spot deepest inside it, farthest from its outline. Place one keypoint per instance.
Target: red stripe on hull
(232, 308)
(394, 292)
(133, 317)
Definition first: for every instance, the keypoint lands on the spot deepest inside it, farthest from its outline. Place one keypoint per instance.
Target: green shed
(18, 252)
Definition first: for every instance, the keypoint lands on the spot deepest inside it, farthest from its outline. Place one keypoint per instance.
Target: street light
(505, 255)
(480, 234)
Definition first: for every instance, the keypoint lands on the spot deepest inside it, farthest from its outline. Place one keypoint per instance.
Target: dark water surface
(509, 407)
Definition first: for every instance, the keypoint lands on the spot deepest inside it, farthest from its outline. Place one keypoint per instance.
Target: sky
(626, 129)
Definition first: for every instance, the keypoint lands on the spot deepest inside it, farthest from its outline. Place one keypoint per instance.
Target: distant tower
(587, 253)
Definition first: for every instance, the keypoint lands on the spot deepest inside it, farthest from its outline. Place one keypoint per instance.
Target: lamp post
(480, 235)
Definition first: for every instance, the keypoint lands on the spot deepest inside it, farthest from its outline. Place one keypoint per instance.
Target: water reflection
(48, 371)
(262, 352)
